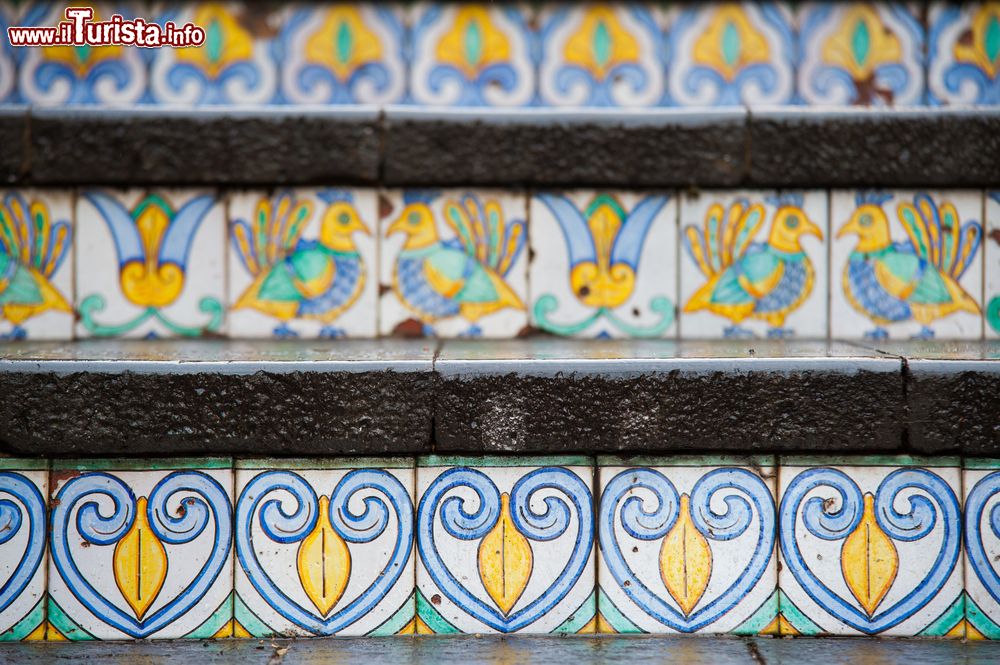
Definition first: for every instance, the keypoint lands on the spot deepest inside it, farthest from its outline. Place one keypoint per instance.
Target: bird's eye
(414, 218)
(344, 219)
(792, 221)
(865, 220)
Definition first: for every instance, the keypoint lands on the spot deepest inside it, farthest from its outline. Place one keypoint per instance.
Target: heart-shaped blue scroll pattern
(27, 513)
(975, 505)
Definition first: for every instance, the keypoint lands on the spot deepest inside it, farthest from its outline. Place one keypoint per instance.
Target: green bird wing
(455, 266)
(22, 289)
(756, 269)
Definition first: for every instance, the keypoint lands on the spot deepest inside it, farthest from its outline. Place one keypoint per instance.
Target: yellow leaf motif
(140, 563)
(505, 560)
(869, 560)
(685, 560)
(324, 562)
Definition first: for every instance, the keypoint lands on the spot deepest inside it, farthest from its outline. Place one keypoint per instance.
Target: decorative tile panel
(687, 546)
(141, 549)
(506, 545)
(862, 53)
(151, 263)
(36, 264)
(324, 547)
(982, 549)
(8, 64)
(992, 258)
(302, 263)
(906, 263)
(452, 263)
(731, 54)
(871, 546)
(472, 55)
(23, 492)
(754, 264)
(963, 52)
(603, 263)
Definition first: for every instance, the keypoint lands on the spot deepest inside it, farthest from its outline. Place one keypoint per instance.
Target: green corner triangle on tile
(68, 628)
(794, 617)
(763, 617)
(222, 615)
(26, 624)
(580, 617)
(248, 620)
(431, 618)
(613, 616)
(399, 620)
(978, 620)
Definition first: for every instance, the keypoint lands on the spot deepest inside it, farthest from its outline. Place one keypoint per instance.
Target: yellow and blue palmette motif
(965, 63)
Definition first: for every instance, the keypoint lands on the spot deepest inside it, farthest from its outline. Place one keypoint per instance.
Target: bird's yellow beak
(399, 226)
(363, 228)
(811, 229)
(850, 227)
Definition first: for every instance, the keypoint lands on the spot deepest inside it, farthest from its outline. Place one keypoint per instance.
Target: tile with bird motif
(754, 264)
(963, 53)
(730, 54)
(343, 54)
(992, 257)
(237, 64)
(472, 54)
(150, 263)
(506, 545)
(601, 55)
(906, 264)
(453, 263)
(871, 546)
(982, 548)
(861, 53)
(604, 263)
(36, 264)
(23, 498)
(687, 545)
(141, 549)
(324, 547)
(302, 263)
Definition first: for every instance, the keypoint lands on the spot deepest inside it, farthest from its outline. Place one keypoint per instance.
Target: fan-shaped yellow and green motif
(730, 43)
(861, 43)
(473, 43)
(226, 41)
(601, 43)
(983, 50)
(343, 42)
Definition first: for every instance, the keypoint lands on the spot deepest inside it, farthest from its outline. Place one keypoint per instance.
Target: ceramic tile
(343, 54)
(236, 64)
(982, 549)
(992, 258)
(601, 55)
(452, 263)
(506, 545)
(862, 53)
(687, 545)
(472, 54)
(8, 65)
(871, 545)
(36, 264)
(963, 53)
(603, 263)
(731, 54)
(62, 75)
(906, 264)
(302, 263)
(150, 263)
(754, 264)
(23, 492)
(141, 549)
(324, 547)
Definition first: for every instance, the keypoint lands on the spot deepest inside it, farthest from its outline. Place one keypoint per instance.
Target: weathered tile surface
(982, 548)
(963, 53)
(23, 499)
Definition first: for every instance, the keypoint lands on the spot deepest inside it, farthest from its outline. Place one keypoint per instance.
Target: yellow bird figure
(32, 248)
(764, 281)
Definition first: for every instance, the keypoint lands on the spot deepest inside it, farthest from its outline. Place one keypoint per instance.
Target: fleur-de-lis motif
(140, 563)
(601, 43)
(505, 560)
(730, 43)
(982, 49)
(685, 560)
(226, 41)
(324, 562)
(861, 43)
(474, 42)
(869, 560)
(343, 43)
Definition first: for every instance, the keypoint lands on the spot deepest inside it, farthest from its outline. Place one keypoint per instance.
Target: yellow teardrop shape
(505, 560)
(685, 560)
(140, 563)
(324, 562)
(869, 560)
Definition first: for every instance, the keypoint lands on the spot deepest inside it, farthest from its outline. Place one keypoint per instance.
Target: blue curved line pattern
(628, 245)
(12, 518)
(656, 523)
(546, 525)
(128, 242)
(104, 530)
(910, 526)
(987, 489)
(178, 238)
(290, 526)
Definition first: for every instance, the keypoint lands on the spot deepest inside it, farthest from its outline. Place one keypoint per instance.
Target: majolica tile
(982, 549)
(603, 263)
(601, 55)
(992, 258)
(731, 54)
(453, 263)
(906, 264)
(861, 53)
(506, 545)
(141, 549)
(963, 52)
(235, 65)
(343, 54)
(150, 263)
(302, 263)
(871, 546)
(61, 75)
(472, 54)
(324, 547)
(754, 264)
(8, 66)
(23, 492)
(36, 264)
(687, 545)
